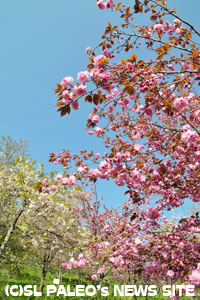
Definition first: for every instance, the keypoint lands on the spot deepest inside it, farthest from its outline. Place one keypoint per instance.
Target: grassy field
(31, 276)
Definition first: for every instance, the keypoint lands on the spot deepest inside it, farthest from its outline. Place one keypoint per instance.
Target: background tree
(50, 228)
(37, 216)
(11, 149)
(17, 190)
(13, 176)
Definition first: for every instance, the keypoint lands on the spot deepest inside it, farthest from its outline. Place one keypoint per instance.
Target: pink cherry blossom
(66, 81)
(67, 97)
(153, 213)
(79, 90)
(95, 119)
(75, 105)
(44, 181)
(58, 178)
(177, 22)
(170, 274)
(171, 67)
(158, 27)
(97, 155)
(87, 50)
(189, 136)
(99, 59)
(138, 147)
(83, 76)
(98, 131)
(94, 277)
(194, 277)
(54, 187)
(181, 103)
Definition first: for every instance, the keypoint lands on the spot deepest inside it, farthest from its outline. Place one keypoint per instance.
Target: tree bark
(43, 275)
(10, 230)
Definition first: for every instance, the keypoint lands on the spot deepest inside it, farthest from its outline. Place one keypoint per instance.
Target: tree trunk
(10, 230)
(46, 262)
(43, 275)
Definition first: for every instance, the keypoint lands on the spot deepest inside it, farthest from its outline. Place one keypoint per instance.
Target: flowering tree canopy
(146, 110)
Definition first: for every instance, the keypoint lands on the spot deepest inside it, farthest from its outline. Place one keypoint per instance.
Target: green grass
(31, 275)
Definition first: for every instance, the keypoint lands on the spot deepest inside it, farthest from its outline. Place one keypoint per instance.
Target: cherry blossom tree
(145, 108)
(132, 251)
(49, 226)
(37, 214)
(16, 192)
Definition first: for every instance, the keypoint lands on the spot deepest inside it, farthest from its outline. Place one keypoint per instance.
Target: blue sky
(41, 42)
